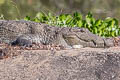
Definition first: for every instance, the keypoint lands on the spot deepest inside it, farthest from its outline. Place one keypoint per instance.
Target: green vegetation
(12, 9)
(108, 27)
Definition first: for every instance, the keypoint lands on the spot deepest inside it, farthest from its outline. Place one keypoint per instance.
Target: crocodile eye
(82, 30)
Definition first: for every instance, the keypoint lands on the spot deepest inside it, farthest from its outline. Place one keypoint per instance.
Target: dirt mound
(72, 64)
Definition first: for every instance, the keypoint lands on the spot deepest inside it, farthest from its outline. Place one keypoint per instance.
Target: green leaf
(98, 22)
(27, 18)
(113, 34)
(95, 30)
(77, 15)
(89, 15)
(79, 23)
(36, 20)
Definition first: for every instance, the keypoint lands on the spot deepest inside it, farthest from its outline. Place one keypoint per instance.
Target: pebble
(77, 46)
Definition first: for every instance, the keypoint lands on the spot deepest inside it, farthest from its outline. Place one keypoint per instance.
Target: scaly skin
(28, 32)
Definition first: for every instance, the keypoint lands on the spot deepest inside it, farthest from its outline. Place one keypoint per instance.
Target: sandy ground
(71, 64)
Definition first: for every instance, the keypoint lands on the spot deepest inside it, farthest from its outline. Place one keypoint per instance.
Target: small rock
(77, 46)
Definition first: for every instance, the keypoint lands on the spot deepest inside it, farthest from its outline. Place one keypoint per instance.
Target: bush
(105, 28)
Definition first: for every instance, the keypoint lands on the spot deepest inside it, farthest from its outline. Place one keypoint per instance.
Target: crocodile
(24, 33)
